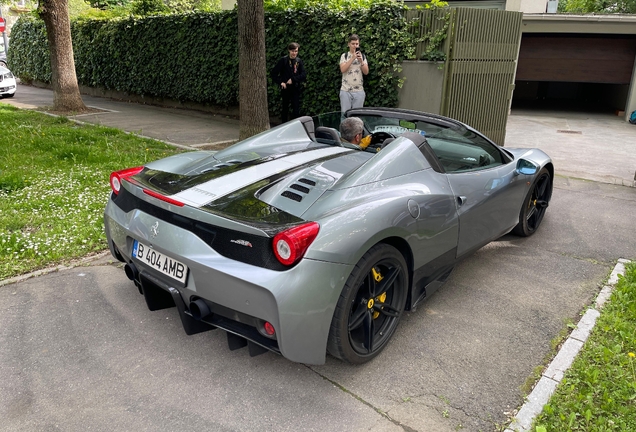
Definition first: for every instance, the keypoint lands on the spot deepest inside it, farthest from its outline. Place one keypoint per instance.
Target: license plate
(160, 262)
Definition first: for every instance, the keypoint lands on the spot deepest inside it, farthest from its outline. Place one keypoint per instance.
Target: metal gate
(480, 68)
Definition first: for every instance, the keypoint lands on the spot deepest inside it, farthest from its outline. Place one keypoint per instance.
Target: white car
(8, 85)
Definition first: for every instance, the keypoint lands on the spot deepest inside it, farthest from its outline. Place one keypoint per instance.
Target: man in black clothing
(288, 74)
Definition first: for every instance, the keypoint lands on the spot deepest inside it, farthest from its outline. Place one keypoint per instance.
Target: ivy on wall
(29, 53)
(193, 56)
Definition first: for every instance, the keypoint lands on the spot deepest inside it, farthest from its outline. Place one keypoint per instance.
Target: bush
(148, 7)
(193, 56)
(29, 53)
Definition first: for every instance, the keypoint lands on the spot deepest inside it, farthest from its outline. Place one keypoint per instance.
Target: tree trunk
(66, 95)
(252, 68)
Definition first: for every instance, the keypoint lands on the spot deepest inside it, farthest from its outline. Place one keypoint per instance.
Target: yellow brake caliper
(378, 277)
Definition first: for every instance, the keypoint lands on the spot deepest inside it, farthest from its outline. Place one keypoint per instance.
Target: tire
(3, 64)
(534, 205)
(369, 310)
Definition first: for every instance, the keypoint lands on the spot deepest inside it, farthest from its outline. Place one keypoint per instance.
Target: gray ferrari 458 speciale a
(297, 242)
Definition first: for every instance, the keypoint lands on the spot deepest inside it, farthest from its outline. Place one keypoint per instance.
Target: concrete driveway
(599, 147)
(79, 349)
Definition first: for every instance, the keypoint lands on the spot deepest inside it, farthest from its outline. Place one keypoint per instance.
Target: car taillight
(290, 245)
(117, 176)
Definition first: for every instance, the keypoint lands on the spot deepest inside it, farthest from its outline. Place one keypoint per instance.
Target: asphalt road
(80, 351)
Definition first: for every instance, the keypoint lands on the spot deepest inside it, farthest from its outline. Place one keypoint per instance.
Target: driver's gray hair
(350, 127)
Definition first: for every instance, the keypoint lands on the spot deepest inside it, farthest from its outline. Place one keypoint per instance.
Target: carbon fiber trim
(222, 317)
(246, 248)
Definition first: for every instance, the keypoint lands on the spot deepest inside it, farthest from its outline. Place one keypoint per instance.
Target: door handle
(461, 200)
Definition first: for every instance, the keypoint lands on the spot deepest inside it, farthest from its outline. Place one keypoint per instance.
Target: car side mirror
(526, 167)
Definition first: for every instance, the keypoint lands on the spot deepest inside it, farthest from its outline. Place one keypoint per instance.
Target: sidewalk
(591, 146)
(597, 147)
(177, 126)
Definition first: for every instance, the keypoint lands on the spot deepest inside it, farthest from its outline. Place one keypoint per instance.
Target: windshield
(449, 140)
(397, 124)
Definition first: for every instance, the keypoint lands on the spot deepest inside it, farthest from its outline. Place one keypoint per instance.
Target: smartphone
(357, 49)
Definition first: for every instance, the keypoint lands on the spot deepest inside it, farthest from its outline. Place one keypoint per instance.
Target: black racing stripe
(243, 205)
(170, 183)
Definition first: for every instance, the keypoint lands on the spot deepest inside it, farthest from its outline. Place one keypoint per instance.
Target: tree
(252, 68)
(66, 95)
(598, 6)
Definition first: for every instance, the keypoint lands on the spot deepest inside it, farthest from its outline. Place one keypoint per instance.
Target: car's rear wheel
(370, 306)
(535, 205)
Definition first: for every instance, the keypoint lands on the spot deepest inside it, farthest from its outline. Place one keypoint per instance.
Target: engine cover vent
(300, 188)
(292, 195)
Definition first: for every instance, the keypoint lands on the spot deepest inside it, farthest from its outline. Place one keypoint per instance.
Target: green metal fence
(480, 69)
(481, 49)
(427, 22)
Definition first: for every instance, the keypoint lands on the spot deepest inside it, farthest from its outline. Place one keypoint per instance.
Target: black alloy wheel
(370, 306)
(535, 205)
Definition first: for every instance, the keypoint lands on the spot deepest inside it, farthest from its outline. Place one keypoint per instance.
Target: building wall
(631, 96)
(526, 6)
(422, 89)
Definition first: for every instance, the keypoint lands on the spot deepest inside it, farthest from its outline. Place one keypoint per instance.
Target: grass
(598, 393)
(54, 185)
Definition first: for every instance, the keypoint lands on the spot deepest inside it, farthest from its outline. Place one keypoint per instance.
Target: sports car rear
(215, 258)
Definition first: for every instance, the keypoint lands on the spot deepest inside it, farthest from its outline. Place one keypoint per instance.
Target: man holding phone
(353, 65)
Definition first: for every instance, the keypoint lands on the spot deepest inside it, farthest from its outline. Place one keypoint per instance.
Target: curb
(553, 374)
(83, 123)
(72, 264)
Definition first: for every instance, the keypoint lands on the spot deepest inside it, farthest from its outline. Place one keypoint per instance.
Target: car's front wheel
(535, 205)
(370, 306)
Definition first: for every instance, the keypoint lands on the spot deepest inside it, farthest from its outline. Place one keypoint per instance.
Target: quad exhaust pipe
(131, 272)
(199, 309)
(192, 317)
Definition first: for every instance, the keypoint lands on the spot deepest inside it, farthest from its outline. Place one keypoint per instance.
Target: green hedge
(28, 57)
(193, 56)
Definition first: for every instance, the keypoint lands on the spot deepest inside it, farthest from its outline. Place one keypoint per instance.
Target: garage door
(572, 58)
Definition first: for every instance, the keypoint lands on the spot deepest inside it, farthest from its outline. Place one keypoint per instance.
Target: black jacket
(287, 68)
